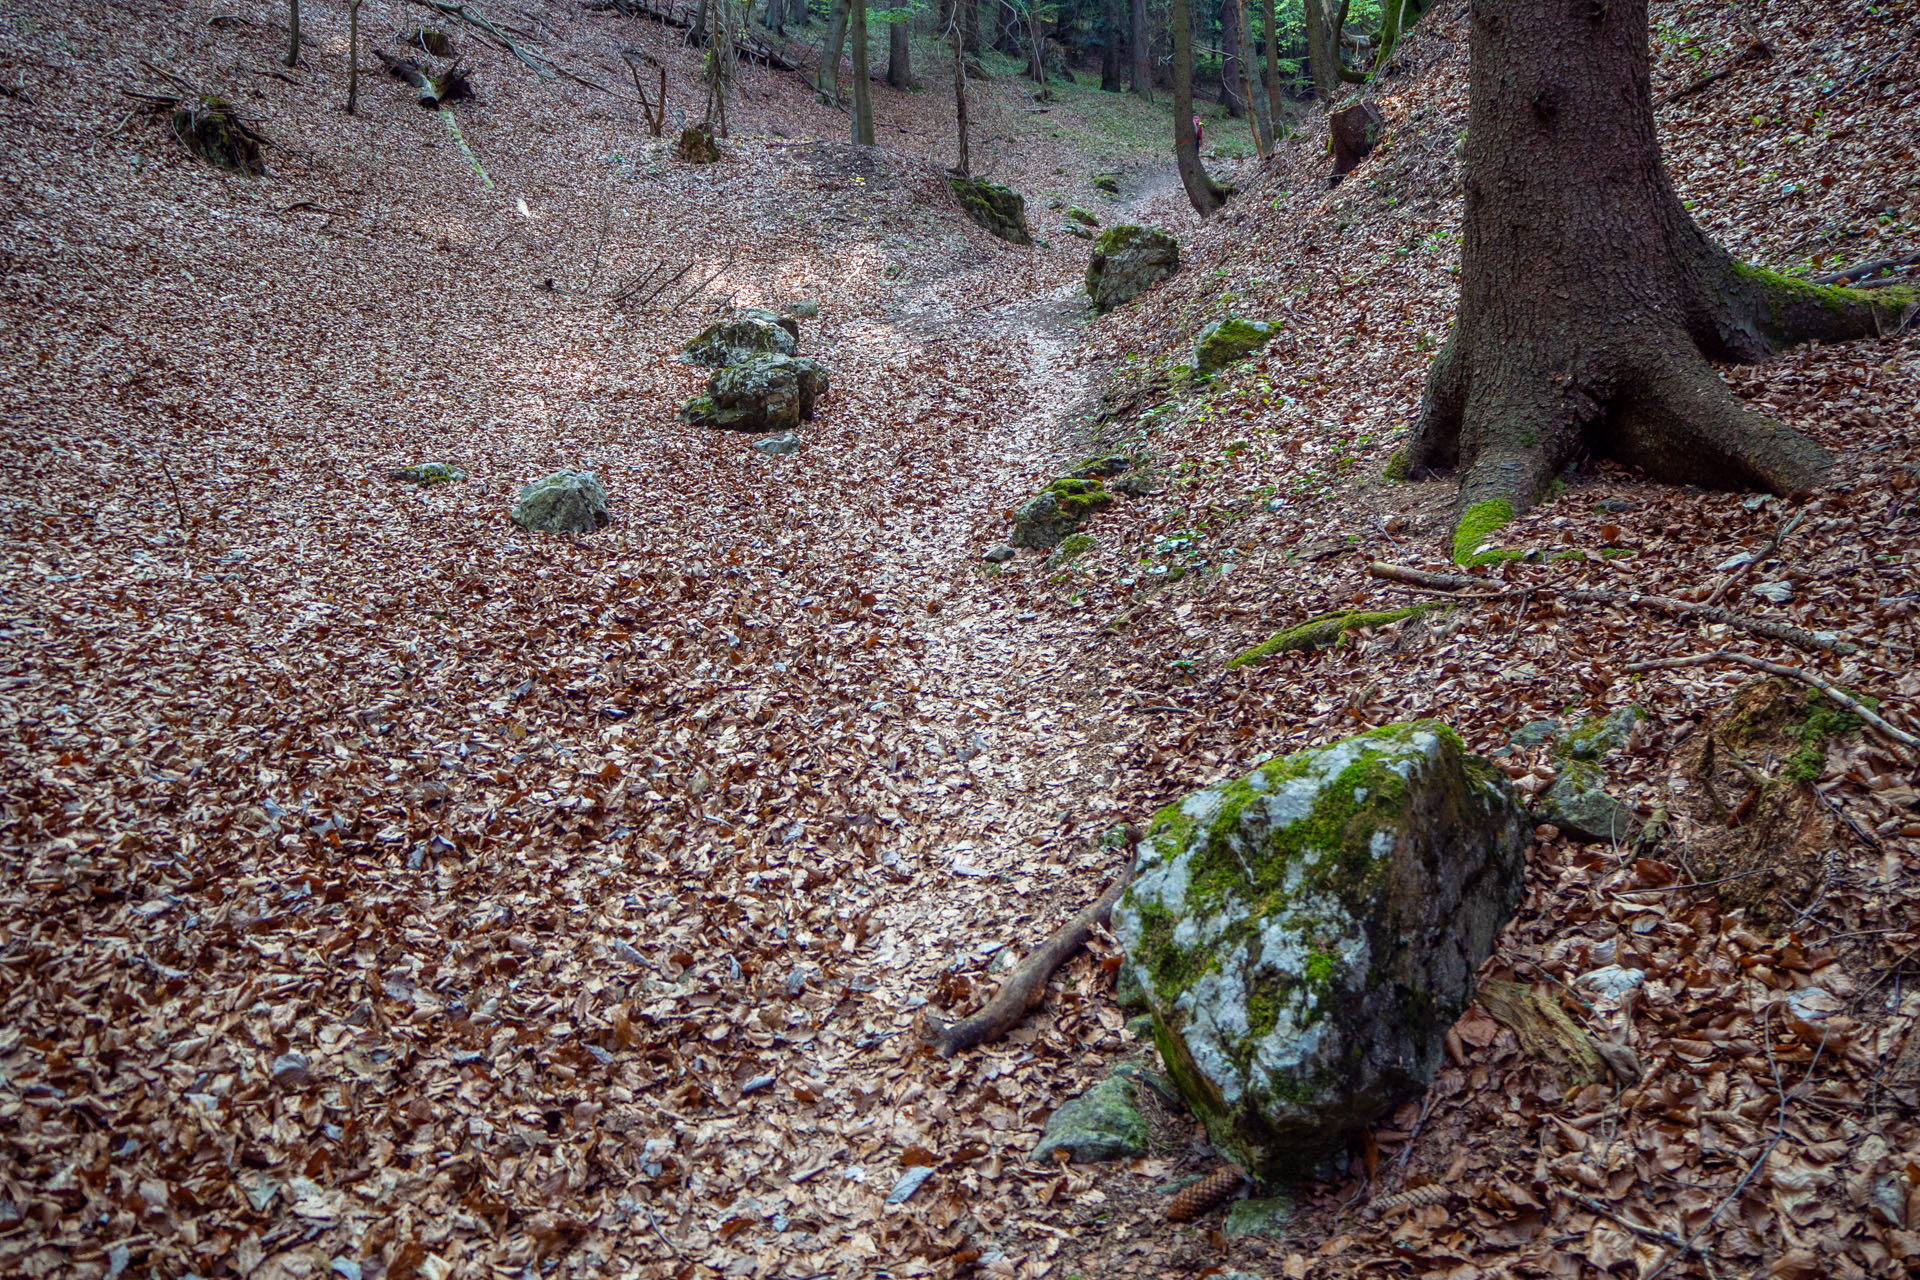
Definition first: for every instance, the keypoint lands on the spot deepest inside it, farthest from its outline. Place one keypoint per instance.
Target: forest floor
(389, 892)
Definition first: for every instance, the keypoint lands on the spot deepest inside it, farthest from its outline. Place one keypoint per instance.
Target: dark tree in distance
(1200, 186)
(1140, 54)
(1273, 62)
(1590, 300)
(899, 72)
(1110, 48)
(862, 77)
(1232, 68)
(293, 33)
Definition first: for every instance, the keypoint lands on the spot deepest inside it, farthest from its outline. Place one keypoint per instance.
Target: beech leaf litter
(390, 892)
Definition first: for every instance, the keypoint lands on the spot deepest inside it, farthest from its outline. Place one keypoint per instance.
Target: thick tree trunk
(862, 77)
(1590, 301)
(1139, 48)
(1249, 77)
(1200, 187)
(1232, 67)
(775, 17)
(829, 82)
(899, 74)
(1323, 50)
(1273, 63)
(1110, 49)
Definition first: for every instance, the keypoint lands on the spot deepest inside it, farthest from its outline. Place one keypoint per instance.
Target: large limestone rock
(1127, 261)
(1225, 341)
(564, 502)
(997, 208)
(766, 393)
(742, 337)
(1306, 934)
(1055, 513)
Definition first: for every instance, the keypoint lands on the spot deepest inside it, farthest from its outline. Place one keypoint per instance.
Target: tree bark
(960, 94)
(899, 73)
(829, 82)
(1140, 52)
(1590, 301)
(1232, 65)
(862, 77)
(1110, 48)
(1200, 187)
(1249, 74)
(293, 33)
(1273, 63)
(1007, 28)
(1323, 50)
(970, 24)
(1390, 19)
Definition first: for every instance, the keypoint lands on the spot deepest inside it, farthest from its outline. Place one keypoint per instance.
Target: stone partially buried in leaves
(1055, 513)
(1127, 261)
(1225, 341)
(742, 337)
(564, 502)
(1307, 934)
(1104, 1123)
(999, 209)
(767, 393)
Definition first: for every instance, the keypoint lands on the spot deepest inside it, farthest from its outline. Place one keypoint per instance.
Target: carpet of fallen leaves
(391, 893)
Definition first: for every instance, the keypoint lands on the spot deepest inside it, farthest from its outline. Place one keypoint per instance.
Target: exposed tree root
(1024, 987)
(1318, 633)
(1798, 637)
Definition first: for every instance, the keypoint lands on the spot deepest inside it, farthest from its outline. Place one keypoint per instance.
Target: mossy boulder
(697, 144)
(1082, 216)
(1598, 737)
(1576, 801)
(743, 336)
(1127, 261)
(1104, 1123)
(426, 473)
(1056, 513)
(564, 502)
(1107, 182)
(1306, 934)
(1225, 341)
(766, 393)
(999, 209)
(1071, 548)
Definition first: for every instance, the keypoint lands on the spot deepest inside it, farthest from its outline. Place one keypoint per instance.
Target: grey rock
(1141, 1028)
(1576, 801)
(1225, 341)
(1102, 467)
(1259, 1217)
(1535, 732)
(765, 393)
(1597, 738)
(806, 309)
(909, 1182)
(775, 446)
(1107, 182)
(1104, 1123)
(1057, 512)
(1613, 506)
(1306, 935)
(741, 338)
(426, 473)
(1777, 592)
(1127, 261)
(564, 502)
(1127, 991)
(999, 554)
(1077, 231)
(999, 209)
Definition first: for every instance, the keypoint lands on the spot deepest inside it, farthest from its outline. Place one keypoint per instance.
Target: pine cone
(1214, 1189)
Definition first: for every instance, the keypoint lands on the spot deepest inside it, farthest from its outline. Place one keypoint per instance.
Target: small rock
(765, 393)
(1259, 1217)
(1610, 982)
(1082, 217)
(697, 144)
(1071, 548)
(1141, 1028)
(1077, 231)
(1535, 732)
(775, 446)
(999, 209)
(999, 555)
(909, 1182)
(1225, 341)
(1613, 506)
(1778, 592)
(1057, 511)
(1107, 182)
(1101, 468)
(1740, 561)
(1597, 738)
(1577, 803)
(426, 473)
(1127, 991)
(625, 952)
(1354, 132)
(291, 1071)
(1104, 1123)
(564, 502)
(805, 310)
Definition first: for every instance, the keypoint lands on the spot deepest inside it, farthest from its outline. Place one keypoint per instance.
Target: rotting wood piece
(1798, 637)
(1544, 1030)
(450, 85)
(1024, 987)
(205, 123)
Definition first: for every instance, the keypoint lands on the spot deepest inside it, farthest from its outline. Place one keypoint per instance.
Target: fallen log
(449, 86)
(755, 44)
(1798, 637)
(1024, 987)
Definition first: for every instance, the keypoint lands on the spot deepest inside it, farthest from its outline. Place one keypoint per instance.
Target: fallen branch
(1860, 274)
(1758, 51)
(1024, 986)
(1825, 686)
(1773, 545)
(544, 67)
(1783, 632)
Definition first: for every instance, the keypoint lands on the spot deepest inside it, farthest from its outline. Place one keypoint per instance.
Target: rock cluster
(758, 383)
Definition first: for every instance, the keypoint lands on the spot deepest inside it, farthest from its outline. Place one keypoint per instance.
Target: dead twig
(1783, 632)
(1758, 51)
(1025, 986)
(1831, 690)
(1780, 535)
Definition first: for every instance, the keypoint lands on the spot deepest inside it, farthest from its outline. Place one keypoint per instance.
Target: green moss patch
(1476, 523)
(1320, 632)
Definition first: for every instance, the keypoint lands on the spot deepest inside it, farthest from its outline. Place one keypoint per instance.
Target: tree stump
(1356, 130)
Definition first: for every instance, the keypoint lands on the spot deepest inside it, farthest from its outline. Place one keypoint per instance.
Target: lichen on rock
(564, 502)
(742, 337)
(1225, 341)
(1127, 261)
(1055, 513)
(766, 393)
(1306, 934)
(999, 209)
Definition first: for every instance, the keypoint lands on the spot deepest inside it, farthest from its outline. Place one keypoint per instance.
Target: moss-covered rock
(999, 209)
(1104, 1123)
(742, 337)
(1081, 216)
(1127, 261)
(1576, 801)
(426, 473)
(564, 502)
(1318, 633)
(766, 393)
(1306, 934)
(1598, 737)
(1055, 513)
(1071, 548)
(1477, 523)
(1267, 1218)
(1107, 182)
(1225, 341)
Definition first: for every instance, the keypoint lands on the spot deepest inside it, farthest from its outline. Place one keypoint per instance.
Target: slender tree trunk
(1390, 18)
(1323, 50)
(1036, 44)
(1273, 63)
(1590, 301)
(1249, 72)
(1232, 65)
(293, 33)
(899, 50)
(862, 81)
(1200, 187)
(697, 33)
(353, 56)
(1110, 49)
(960, 94)
(829, 82)
(1140, 52)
